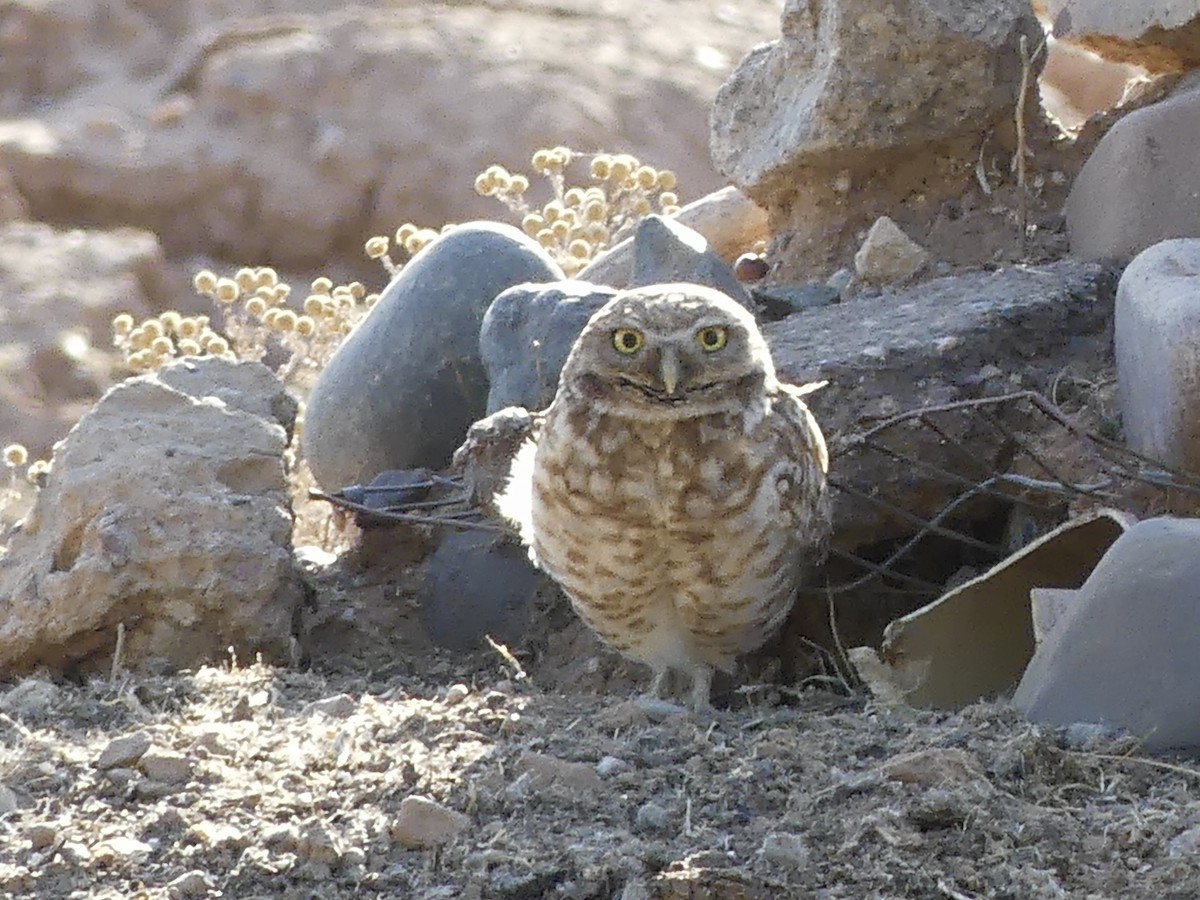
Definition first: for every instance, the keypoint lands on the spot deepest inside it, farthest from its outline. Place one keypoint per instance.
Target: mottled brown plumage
(674, 488)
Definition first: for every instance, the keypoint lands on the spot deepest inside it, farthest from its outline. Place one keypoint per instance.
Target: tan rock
(855, 110)
(422, 824)
(166, 766)
(166, 512)
(1161, 36)
(888, 255)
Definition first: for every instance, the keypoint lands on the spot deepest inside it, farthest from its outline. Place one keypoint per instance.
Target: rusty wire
(1112, 468)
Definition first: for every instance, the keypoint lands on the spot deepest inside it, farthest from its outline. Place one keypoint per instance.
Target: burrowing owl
(674, 488)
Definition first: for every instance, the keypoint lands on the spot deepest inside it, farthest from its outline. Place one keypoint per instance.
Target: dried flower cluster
(14, 491)
(577, 223)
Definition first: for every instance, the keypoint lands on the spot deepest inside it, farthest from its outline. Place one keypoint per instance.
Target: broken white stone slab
(976, 640)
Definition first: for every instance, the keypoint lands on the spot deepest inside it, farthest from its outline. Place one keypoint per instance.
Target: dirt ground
(265, 782)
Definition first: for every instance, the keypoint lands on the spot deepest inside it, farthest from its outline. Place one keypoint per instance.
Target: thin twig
(118, 653)
(506, 655)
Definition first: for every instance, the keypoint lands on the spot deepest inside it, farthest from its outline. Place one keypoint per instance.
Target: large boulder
(287, 132)
(1140, 184)
(1156, 334)
(402, 389)
(166, 513)
(856, 109)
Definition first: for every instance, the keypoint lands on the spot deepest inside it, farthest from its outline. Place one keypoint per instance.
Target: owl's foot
(701, 688)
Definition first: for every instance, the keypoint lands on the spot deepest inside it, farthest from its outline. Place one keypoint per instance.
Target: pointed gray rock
(667, 252)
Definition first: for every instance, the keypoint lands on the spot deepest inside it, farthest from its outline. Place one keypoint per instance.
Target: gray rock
(167, 513)
(526, 335)
(729, 221)
(925, 345)
(668, 252)
(1124, 654)
(124, 751)
(1140, 184)
(835, 83)
(1156, 334)
(478, 584)
(402, 389)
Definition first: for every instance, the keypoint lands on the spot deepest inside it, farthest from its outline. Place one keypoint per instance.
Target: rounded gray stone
(403, 388)
(1124, 653)
(477, 584)
(526, 336)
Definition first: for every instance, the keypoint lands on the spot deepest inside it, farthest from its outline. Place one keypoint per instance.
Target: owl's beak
(668, 369)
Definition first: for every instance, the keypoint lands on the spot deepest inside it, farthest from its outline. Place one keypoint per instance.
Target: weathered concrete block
(1157, 339)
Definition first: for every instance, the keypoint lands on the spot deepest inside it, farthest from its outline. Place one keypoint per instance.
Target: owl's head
(669, 351)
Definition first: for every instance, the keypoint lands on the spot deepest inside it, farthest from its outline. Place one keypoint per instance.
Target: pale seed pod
(226, 290)
(170, 321)
(204, 281)
(246, 279)
(15, 455)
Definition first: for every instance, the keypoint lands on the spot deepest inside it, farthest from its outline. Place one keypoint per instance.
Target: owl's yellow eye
(628, 340)
(712, 338)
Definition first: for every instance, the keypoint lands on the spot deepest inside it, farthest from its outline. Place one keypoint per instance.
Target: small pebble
(190, 884)
(785, 849)
(751, 267)
(610, 766)
(166, 766)
(456, 694)
(651, 817)
(41, 836)
(341, 706)
(123, 751)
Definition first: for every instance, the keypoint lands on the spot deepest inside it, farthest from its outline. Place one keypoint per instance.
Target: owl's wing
(489, 453)
(798, 438)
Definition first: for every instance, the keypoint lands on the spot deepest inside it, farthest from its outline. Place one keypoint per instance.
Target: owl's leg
(658, 684)
(701, 687)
